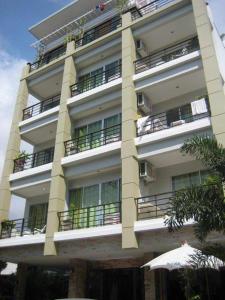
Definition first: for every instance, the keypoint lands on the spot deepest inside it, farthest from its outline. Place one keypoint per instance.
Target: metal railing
(21, 227)
(99, 31)
(38, 108)
(93, 140)
(164, 120)
(137, 13)
(155, 206)
(94, 81)
(166, 55)
(48, 57)
(33, 160)
(93, 216)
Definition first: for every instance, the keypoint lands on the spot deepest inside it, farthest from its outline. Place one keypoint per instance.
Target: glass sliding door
(110, 197)
(112, 71)
(95, 134)
(37, 216)
(81, 142)
(190, 179)
(112, 132)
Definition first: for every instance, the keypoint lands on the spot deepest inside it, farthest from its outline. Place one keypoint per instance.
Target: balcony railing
(33, 160)
(93, 140)
(48, 57)
(166, 55)
(137, 13)
(21, 227)
(157, 206)
(94, 81)
(99, 31)
(172, 118)
(94, 216)
(151, 207)
(38, 108)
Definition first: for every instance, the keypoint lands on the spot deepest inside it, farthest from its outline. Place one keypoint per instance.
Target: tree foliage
(203, 204)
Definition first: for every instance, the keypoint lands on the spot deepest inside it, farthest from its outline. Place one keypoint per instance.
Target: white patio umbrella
(184, 257)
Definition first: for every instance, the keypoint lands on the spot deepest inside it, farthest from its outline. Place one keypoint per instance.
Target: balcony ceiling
(62, 17)
(161, 34)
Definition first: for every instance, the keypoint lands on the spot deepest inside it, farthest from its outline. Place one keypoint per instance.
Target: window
(38, 215)
(181, 113)
(187, 180)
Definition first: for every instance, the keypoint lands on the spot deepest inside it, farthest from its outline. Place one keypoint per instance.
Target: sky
(16, 16)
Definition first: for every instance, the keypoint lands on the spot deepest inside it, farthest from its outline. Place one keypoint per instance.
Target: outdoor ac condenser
(141, 48)
(143, 104)
(146, 171)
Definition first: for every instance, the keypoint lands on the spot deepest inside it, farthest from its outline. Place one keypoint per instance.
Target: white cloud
(10, 72)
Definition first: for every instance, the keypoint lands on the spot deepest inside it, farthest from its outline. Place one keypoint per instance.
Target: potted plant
(7, 227)
(20, 160)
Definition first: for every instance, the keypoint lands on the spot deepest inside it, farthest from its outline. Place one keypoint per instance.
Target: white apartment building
(119, 92)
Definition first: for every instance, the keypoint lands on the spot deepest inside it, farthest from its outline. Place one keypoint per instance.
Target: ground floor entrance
(116, 284)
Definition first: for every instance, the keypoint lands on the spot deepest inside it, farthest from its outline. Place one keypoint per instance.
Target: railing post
(156, 208)
(88, 217)
(91, 140)
(22, 227)
(103, 215)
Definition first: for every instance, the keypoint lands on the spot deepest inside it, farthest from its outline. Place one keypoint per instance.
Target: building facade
(119, 92)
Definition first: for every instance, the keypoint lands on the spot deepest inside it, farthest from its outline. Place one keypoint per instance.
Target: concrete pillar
(21, 278)
(130, 167)
(213, 78)
(77, 280)
(149, 280)
(57, 195)
(13, 146)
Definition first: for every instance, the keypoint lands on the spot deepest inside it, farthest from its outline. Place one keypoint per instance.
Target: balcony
(94, 216)
(174, 117)
(137, 13)
(48, 57)
(93, 140)
(99, 31)
(38, 108)
(33, 160)
(22, 227)
(97, 80)
(152, 207)
(166, 55)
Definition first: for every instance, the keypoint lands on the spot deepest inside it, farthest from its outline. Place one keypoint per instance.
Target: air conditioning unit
(141, 48)
(146, 171)
(143, 104)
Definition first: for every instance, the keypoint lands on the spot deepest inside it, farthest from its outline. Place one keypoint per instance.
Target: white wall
(101, 63)
(97, 116)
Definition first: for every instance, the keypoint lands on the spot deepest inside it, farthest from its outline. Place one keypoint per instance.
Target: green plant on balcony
(40, 52)
(8, 225)
(122, 5)
(21, 159)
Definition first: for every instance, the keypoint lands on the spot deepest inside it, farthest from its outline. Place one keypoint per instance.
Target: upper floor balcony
(99, 31)
(93, 140)
(48, 57)
(23, 227)
(174, 118)
(138, 12)
(101, 77)
(33, 160)
(166, 55)
(41, 107)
